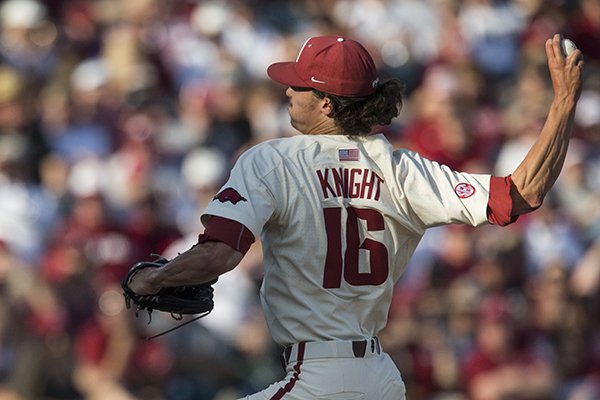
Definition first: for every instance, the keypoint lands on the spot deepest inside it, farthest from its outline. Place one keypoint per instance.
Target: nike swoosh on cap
(312, 78)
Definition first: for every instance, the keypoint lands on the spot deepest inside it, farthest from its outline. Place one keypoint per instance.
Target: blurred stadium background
(119, 119)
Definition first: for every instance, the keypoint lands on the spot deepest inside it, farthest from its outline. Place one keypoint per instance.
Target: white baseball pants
(336, 370)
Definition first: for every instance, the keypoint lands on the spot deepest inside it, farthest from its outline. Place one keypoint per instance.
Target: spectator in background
(26, 212)
(584, 28)
(189, 127)
(551, 239)
(28, 38)
(103, 349)
(491, 29)
(503, 364)
(443, 125)
(559, 323)
(83, 130)
(198, 189)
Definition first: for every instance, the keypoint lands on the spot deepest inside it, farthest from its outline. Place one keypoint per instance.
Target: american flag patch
(348, 154)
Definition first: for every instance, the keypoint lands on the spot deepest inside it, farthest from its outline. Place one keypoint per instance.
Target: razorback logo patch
(464, 190)
(229, 194)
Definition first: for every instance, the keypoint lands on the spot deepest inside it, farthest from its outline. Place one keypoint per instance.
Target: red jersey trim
(500, 203)
(228, 231)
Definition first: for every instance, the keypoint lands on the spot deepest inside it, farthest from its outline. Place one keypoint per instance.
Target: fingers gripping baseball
(565, 70)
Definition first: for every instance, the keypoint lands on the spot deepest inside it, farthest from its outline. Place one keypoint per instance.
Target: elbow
(222, 259)
(534, 205)
(209, 260)
(524, 203)
(534, 200)
(216, 267)
(526, 197)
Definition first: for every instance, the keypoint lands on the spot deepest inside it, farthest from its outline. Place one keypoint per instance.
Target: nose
(289, 91)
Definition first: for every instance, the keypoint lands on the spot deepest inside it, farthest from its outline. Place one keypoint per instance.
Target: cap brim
(285, 73)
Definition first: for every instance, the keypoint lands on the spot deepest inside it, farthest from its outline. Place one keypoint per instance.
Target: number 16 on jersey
(346, 266)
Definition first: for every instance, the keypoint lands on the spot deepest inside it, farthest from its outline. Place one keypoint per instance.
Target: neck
(325, 127)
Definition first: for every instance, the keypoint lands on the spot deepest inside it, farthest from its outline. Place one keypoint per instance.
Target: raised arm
(534, 177)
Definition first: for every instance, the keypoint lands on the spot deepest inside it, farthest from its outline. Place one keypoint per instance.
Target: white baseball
(567, 46)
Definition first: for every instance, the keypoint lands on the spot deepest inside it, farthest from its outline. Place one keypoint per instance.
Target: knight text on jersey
(350, 183)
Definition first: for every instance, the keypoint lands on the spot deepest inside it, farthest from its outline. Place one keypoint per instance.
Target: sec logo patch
(464, 190)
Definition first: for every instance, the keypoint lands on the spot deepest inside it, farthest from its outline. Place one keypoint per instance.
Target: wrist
(566, 102)
(154, 279)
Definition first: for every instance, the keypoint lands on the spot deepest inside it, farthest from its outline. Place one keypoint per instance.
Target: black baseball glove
(179, 300)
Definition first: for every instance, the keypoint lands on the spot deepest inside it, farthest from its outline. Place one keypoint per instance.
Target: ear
(326, 106)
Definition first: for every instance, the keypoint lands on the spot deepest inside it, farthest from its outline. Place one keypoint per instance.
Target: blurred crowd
(119, 121)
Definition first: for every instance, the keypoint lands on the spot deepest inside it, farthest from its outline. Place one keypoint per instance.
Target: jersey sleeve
(245, 197)
(433, 194)
(232, 233)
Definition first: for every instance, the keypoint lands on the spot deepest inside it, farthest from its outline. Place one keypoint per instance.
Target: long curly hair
(357, 116)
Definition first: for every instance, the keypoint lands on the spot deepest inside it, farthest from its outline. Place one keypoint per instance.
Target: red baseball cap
(330, 64)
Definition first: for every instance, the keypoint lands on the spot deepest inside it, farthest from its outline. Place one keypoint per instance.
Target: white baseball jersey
(339, 219)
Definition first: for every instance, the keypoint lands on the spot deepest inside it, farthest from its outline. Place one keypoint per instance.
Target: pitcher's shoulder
(273, 152)
(283, 144)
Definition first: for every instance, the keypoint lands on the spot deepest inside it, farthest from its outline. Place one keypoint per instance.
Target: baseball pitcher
(340, 212)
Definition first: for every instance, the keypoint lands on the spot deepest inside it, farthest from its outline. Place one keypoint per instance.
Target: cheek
(295, 106)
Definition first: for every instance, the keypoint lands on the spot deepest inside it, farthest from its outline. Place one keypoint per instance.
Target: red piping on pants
(288, 386)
